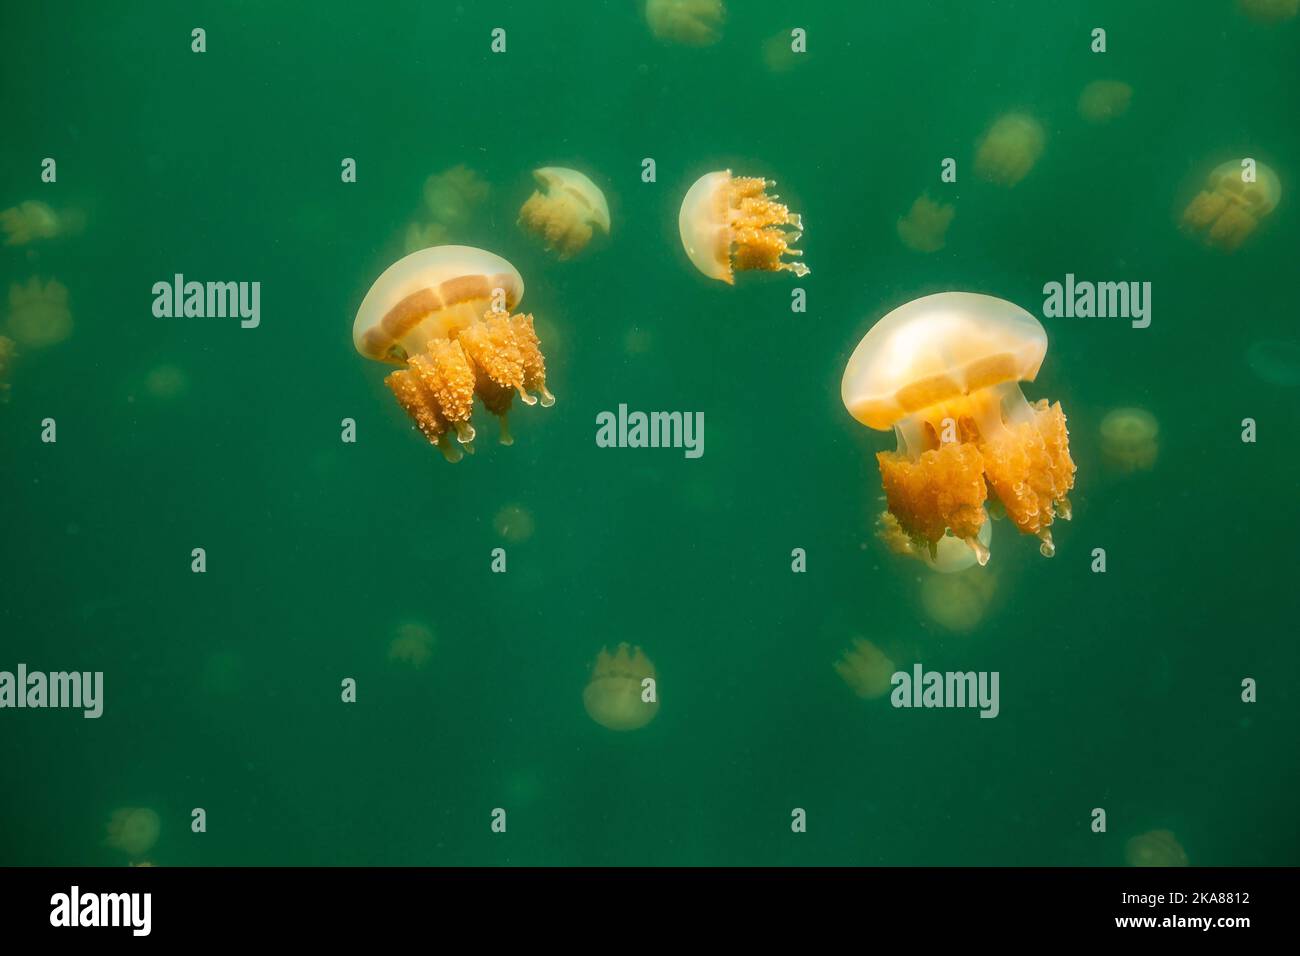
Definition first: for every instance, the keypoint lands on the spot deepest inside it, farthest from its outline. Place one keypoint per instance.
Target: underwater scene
(649, 433)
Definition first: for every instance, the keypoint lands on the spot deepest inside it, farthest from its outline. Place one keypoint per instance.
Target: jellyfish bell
(925, 227)
(1228, 209)
(133, 830)
(1155, 848)
(943, 372)
(1129, 439)
(866, 669)
(1104, 100)
(443, 315)
(617, 696)
(730, 224)
(38, 313)
(1009, 149)
(946, 556)
(958, 602)
(565, 210)
(690, 22)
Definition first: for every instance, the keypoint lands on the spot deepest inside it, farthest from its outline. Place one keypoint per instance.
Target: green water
(222, 690)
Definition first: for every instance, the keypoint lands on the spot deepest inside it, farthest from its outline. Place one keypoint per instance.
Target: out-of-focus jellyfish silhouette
(1009, 149)
(7, 352)
(949, 553)
(730, 224)
(564, 210)
(866, 669)
(692, 22)
(166, 382)
(779, 55)
(1156, 848)
(33, 219)
(1274, 360)
(637, 340)
(1228, 209)
(514, 523)
(1129, 439)
(412, 644)
(453, 195)
(1269, 11)
(615, 697)
(133, 830)
(443, 315)
(1104, 100)
(958, 602)
(943, 372)
(422, 235)
(925, 227)
(38, 313)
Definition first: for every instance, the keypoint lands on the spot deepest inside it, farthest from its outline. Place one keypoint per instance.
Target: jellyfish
(38, 313)
(949, 555)
(866, 669)
(1156, 848)
(692, 22)
(1104, 100)
(422, 235)
(7, 352)
(564, 210)
(166, 382)
(925, 227)
(617, 696)
(133, 830)
(731, 224)
(32, 220)
(779, 55)
(1128, 439)
(1269, 11)
(1228, 209)
(958, 602)
(944, 373)
(412, 644)
(452, 195)
(1274, 360)
(514, 523)
(443, 316)
(1009, 149)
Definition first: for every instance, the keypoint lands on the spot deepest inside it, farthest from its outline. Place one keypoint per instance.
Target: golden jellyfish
(957, 602)
(38, 313)
(1104, 100)
(32, 220)
(949, 554)
(452, 195)
(943, 372)
(565, 210)
(925, 227)
(866, 669)
(7, 352)
(1269, 11)
(1129, 439)
(514, 523)
(730, 224)
(444, 316)
(1156, 848)
(1009, 149)
(622, 693)
(1229, 207)
(133, 830)
(412, 644)
(692, 22)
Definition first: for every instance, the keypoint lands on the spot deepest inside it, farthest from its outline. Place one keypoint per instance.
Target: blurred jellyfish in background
(958, 602)
(451, 200)
(779, 55)
(412, 644)
(33, 220)
(1104, 100)
(1129, 439)
(514, 523)
(690, 22)
(166, 382)
(424, 235)
(925, 227)
(1156, 848)
(1269, 11)
(133, 830)
(564, 210)
(866, 669)
(947, 555)
(637, 340)
(7, 352)
(1274, 360)
(616, 695)
(1229, 208)
(38, 313)
(1009, 149)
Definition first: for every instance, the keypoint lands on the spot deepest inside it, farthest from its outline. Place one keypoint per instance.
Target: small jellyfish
(412, 644)
(1274, 360)
(779, 55)
(452, 195)
(1009, 149)
(7, 352)
(423, 235)
(1129, 439)
(564, 210)
(32, 220)
(692, 22)
(443, 316)
(1228, 209)
(866, 669)
(133, 830)
(958, 602)
(949, 554)
(925, 227)
(943, 372)
(1104, 100)
(1269, 11)
(38, 313)
(1156, 848)
(618, 695)
(731, 224)
(166, 382)
(514, 523)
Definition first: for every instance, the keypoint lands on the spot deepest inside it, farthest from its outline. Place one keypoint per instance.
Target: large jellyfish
(133, 830)
(730, 224)
(943, 373)
(1009, 149)
(564, 210)
(1104, 100)
(1269, 11)
(1228, 208)
(925, 227)
(33, 219)
(443, 315)
(1156, 848)
(866, 669)
(618, 695)
(692, 22)
(948, 555)
(1129, 439)
(38, 313)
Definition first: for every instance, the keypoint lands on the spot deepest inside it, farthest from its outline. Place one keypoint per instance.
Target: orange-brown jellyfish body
(444, 316)
(565, 210)
(1129, 439)
(33, 220)
(948, 555)
(1104, 100)
(412, 644)
(1156, 848)
(38, 313)
(925, 227)
(730, 224)
(943, 372)
(7, 352)
(866, 669)
(133, 830)
(1229, 208)
(1009, 149)
(1269, 11)
(618, 696)
(690, 22)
